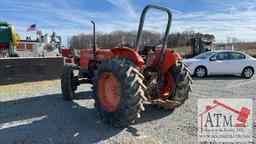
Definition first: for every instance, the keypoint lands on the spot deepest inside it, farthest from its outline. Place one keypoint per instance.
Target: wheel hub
(200, 72)
(109, 91)
(248, 73)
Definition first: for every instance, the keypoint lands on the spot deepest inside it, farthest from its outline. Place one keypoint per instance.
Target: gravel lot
(36, 113)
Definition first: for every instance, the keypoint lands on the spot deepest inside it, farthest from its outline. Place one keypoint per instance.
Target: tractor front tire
(181, 87)
(182, 81)
(118, 91)
(68, 82)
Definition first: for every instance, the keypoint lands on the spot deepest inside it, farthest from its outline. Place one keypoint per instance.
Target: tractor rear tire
(68, 82)
(125, 106)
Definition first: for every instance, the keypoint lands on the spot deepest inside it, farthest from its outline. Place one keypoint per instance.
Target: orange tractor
(124, 79)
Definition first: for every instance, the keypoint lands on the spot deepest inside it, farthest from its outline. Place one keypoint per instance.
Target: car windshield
(204, 55)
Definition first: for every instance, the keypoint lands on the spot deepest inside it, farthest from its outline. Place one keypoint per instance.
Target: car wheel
(200, 72)
(247, 72)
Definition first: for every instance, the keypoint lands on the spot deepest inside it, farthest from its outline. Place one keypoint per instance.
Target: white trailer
(44, 46)
(225, 47)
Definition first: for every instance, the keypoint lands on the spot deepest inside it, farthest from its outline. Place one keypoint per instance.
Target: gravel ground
(36, 113)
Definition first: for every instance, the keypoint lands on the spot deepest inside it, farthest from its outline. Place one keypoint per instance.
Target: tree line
(110, 40)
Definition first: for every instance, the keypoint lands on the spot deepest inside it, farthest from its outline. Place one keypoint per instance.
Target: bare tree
(110, 40)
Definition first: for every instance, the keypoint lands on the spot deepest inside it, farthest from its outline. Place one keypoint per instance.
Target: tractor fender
(169, 59)
(130, 54)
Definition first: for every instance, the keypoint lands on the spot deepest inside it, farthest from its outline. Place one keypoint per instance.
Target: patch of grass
(24, 88)
(12, 90)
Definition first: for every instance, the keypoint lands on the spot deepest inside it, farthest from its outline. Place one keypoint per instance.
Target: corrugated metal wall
(17, 70)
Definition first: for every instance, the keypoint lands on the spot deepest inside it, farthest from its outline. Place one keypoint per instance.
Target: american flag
(31, 28)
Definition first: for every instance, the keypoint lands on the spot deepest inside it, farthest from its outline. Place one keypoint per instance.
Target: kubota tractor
(123, 79)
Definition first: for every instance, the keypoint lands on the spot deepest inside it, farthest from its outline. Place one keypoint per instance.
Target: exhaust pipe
(94, 41)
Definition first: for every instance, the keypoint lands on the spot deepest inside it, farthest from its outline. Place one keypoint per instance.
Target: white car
(221, 63)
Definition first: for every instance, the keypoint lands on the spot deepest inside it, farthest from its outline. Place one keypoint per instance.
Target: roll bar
(140, 29)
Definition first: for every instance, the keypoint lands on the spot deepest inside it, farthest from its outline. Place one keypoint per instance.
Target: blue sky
(222, 18)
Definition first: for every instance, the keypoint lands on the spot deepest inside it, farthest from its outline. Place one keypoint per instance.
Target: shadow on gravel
(50, 119)
(152, 113)
(219, 77)
(86, 95)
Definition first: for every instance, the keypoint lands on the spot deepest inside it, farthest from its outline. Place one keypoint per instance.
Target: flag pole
(36, 29)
